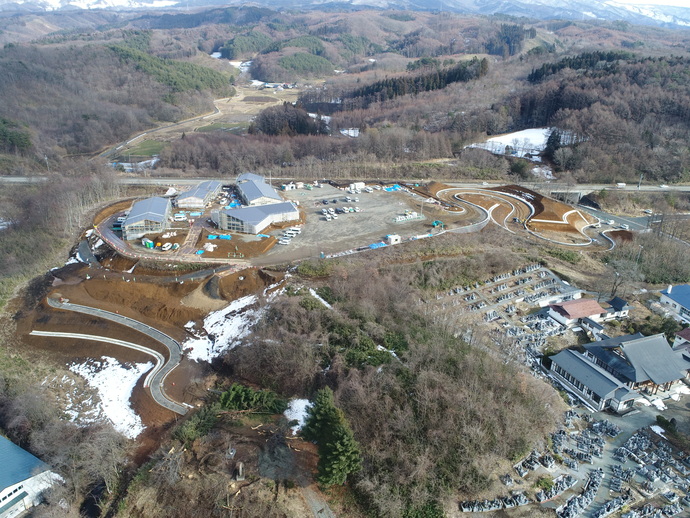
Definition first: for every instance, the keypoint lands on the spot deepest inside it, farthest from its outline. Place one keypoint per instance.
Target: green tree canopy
(339, 452)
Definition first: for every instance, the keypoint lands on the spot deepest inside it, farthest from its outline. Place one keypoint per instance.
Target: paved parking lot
(376, 219)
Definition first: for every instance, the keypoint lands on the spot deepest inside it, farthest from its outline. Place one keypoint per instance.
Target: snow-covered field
(297, 410)
(114, 383)
(223, 329)
(523, 142)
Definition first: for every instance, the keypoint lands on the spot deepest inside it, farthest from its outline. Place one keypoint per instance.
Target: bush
(239, 397)
(569, 256)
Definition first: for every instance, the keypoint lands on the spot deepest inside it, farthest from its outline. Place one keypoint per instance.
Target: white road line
(160, 360)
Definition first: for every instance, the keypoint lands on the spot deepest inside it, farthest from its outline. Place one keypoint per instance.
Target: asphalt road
(174, 349)
(160, 360)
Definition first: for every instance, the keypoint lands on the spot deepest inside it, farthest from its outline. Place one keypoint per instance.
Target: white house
(677, 300)
(23, 479)
(617, 308)
(570, 312)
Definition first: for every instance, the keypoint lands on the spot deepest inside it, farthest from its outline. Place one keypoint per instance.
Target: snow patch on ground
(525, 142)
(658, 430)
(297, 411)
(223, 329)
(318, 297)
(114, 383)
(659, 404)
(99, 243)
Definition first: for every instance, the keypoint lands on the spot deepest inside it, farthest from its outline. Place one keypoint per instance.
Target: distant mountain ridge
(609, 10)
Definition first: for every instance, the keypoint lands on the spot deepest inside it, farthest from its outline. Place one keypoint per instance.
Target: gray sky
(678, 3)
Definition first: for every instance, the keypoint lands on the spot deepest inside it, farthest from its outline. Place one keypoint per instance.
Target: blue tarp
(392, 188)
(233, 205)
(195, 214)
(199, 252)
(227, 238)
(374, 246)
(262, 235)
(211, 236)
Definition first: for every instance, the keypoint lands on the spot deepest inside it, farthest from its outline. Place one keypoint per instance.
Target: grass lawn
(147, 148)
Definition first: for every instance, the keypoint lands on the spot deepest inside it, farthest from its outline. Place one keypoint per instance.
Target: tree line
(387, 89)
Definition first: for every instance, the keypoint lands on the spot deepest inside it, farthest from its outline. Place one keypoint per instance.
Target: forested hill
(77, 99)
(631, 116)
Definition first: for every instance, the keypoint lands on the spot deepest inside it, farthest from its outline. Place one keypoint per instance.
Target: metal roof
(253, 190)
(641, 358)
(245, 177)
(602, 383)
(255, 215)
(654, 357)
(580, 308)
(679, 294)
(619, 304)
(592, 324)
(201, 191)
(17, 464)
(151, 209)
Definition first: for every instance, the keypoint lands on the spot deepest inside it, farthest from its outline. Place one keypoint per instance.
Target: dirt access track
(237, 111)
(518, 209)
(156, 300)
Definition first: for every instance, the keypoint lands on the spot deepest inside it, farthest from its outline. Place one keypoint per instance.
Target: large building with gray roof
(254, 190)
(149, 216)
(200, 196)
(252, 220)
(641, 362)
(23, 479)
(596, 387)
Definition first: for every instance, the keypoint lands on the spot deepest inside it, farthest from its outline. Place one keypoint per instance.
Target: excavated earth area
(156, 300)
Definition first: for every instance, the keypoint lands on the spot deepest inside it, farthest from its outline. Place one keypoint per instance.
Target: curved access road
(173, 346)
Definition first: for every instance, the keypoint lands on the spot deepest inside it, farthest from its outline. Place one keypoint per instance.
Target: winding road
(156, 378)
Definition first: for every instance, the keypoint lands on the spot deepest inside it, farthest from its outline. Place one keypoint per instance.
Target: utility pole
(639, 184)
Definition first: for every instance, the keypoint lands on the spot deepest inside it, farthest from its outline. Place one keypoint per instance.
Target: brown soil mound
(534, 198)
(245, 283)
(141, 298)
(433, 187)
(620, 235)
(242, 246)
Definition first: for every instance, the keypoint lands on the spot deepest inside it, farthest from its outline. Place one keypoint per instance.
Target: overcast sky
(679, 3)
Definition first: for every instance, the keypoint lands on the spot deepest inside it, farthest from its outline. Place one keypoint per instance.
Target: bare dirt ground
(156, 301)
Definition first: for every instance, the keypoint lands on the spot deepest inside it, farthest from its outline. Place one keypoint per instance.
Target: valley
(345, 261)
